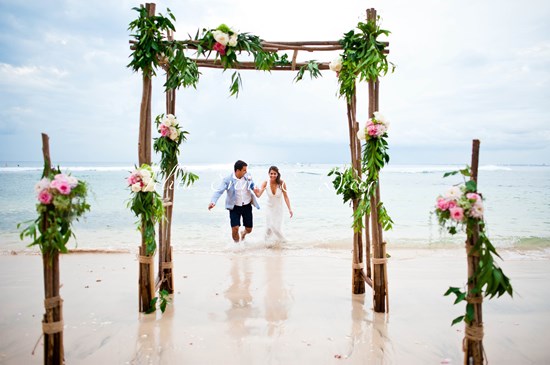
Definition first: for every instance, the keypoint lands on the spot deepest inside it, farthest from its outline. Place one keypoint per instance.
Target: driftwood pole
(146, 275)
(380, 303)
(358, 281)
(165, 227)
(52, 323)
(473, 340)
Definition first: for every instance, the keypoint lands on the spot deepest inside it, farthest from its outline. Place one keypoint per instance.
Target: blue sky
(465, 69)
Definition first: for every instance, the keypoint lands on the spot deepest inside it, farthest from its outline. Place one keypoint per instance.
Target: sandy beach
(274, 308)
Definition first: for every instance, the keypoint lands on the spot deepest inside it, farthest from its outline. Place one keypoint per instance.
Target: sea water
(517, 208)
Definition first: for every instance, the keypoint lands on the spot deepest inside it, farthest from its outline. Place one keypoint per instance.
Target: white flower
(170, 120)
(42, 185)
(232, 40)
(73, 181)
(477, 210)
(146, 176)
(453, 193)
(174, 134)
(150, 186)
(220, 37)
(136, 187)
(361, 134)
(336, 64)
(380, 118)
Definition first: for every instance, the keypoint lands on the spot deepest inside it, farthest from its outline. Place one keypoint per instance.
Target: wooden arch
(374, 273)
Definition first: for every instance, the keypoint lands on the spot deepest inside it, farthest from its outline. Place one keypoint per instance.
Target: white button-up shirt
(242, 194)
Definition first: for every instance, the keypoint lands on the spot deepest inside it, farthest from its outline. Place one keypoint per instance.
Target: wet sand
(275, 308)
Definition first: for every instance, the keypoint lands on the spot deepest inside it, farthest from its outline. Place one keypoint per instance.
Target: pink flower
(457, 213)
(372, 130)
(219, 47)
(476, 211)
(442, 204)
(62, 186)
(473, 196)
(164, 130)
(132, 179)
(45, 197)
(452, 203)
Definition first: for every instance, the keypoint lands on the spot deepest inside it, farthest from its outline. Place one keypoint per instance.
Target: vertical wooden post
(358, 280)
(52, 323)
(146, 275)
(378, 245)
(165, 227)
(473, 341)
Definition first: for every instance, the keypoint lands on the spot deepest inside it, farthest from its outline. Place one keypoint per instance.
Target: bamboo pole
(165, 227)
(473, 340)
(52, 323)
(146, 275)
(358, 281)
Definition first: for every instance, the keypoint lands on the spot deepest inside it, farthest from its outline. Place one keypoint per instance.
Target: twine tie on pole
(167, 265)
(358, 266)
(146, 259)
(376, 261)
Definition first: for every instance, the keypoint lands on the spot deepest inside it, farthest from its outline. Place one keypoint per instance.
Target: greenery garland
(461, 208)
(152, 50)
(375, 157)
(171, 137)
(146, 204)
(61, 200)
(363, 57)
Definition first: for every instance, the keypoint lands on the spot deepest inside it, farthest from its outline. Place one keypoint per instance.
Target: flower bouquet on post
(61, 200)
(461, 209)
(146, 204)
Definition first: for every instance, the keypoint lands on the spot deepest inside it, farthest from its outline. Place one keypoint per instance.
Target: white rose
(149, 186)
(136, 187)
(453, 193)
(220, 37)
(361, 134)
(380, 118)
(336, 64)
(42, 185)
(146, 176)
(170, 120)
(174, 134)
(232, 40)
(73, 181)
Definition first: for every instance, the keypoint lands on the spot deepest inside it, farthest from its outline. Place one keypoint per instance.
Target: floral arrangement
(145, 203)
(375, 157)
(61, 200)
(225, 37)
(171, 137)
(461, 208)
(376, 127)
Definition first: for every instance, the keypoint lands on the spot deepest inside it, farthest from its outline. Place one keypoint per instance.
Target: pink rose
(45, 197)
(164, 130)
(372, 130)
(219, 47)
(473, 196)
(457, 213)
(442, 204)
(452, 203)
(62, 186)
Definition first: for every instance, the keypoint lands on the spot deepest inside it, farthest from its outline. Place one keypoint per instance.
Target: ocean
(517, 208)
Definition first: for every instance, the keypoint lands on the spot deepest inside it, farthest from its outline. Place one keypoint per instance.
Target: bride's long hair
(276, 169)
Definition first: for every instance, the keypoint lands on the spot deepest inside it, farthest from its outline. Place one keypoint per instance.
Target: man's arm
(218, 192)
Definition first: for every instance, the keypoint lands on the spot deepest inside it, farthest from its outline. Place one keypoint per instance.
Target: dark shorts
(237, 212)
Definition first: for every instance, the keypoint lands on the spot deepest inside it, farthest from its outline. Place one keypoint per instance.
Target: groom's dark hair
(239, 165)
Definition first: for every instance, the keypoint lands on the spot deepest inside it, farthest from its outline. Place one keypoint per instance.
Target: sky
(464, 70)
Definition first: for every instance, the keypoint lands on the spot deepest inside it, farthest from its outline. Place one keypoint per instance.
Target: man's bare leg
(235, 233)
(245, 231)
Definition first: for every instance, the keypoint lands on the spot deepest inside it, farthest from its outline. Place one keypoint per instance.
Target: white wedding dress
(274, 215)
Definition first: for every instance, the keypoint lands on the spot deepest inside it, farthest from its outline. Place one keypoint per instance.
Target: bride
(276, 192)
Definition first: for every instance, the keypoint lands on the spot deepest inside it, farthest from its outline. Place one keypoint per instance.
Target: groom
(239, 199)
